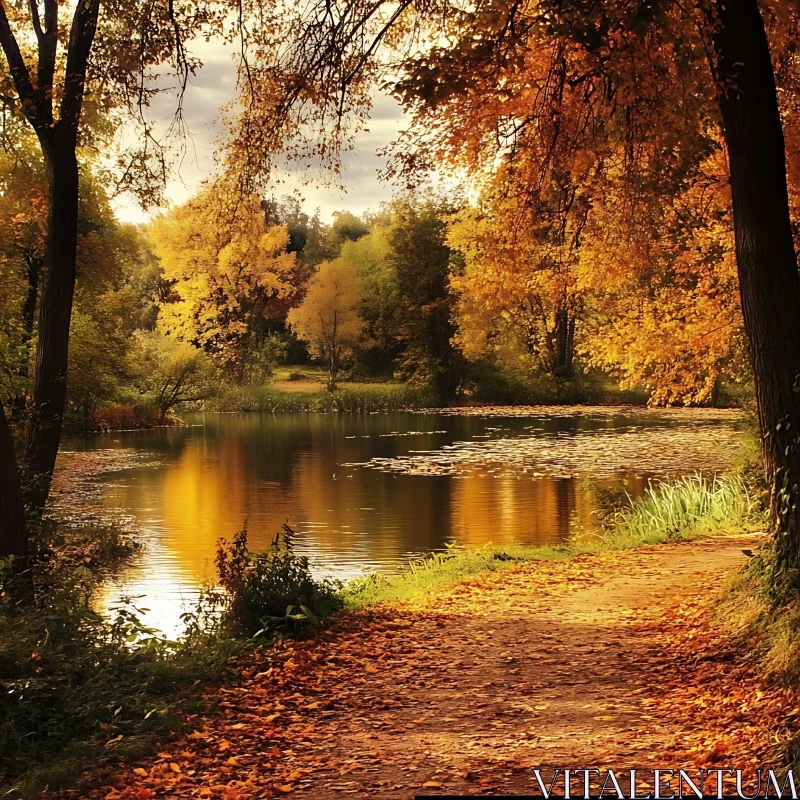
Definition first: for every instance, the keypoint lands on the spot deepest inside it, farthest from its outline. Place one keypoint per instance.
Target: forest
(583, 275)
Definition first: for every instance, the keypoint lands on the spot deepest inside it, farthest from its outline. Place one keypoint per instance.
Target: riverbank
(305, 389)
(612, 660)
(153, 691)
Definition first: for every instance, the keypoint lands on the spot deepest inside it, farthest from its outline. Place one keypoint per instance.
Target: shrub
(264, 589)
(76, 690)
(297, 376)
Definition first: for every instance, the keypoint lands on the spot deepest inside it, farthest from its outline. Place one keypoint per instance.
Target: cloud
(211, 89)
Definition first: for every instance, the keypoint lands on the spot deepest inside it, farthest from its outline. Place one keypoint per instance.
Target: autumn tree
(514, 291)
(229, 272)
(328, 317)
(99, 66)
(660, 78)
(660, 288)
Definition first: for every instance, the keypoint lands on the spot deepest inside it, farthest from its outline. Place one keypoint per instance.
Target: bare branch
(19, 70)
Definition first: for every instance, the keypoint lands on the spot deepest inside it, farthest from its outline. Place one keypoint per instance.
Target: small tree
(328, 316)
(171, 371)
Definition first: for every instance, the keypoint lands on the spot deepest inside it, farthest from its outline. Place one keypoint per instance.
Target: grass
(689, 508)
(363, 398)
(313, 380)
(431, 573)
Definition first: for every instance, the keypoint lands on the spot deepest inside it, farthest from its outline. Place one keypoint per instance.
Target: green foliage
(421, 261)
(76, 689)
(270, 590)
(261, 360)
(371, 256)
(99, 363)
(170, 372)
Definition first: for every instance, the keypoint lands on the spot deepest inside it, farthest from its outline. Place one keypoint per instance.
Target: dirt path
(565, 664)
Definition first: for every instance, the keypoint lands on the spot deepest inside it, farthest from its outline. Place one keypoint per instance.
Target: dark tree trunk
(55, 310)
(13, 532)
(28, 315)
(768, 275)
(564, 343)
(31, 296)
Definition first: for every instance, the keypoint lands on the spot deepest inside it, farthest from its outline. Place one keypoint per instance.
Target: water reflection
(466, 479)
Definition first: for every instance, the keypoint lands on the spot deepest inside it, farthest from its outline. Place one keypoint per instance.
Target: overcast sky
(212, 88)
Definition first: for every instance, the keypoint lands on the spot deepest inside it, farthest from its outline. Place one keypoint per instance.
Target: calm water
(365, 492)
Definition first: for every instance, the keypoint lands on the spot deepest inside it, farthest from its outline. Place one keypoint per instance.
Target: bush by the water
(76, 688)
(270, 589)
(118, 416)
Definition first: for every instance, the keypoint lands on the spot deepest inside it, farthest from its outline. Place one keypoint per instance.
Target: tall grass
(365, 399)
(688, 507)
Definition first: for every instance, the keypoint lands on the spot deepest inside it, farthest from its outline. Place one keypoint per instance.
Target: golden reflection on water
(268, 470)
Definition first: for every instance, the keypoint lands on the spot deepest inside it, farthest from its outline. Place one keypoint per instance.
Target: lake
(367, 491)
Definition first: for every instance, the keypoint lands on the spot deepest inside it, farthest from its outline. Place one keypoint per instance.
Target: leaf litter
(609, 661)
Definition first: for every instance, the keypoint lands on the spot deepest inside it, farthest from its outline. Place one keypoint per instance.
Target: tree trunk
(768, 275)
(19, 403)
(332, 372)
(564, 343)
(13, 531)
(55, 311)
(31, 296)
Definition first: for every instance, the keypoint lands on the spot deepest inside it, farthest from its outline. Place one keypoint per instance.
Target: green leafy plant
(270, 590)
(295, 618)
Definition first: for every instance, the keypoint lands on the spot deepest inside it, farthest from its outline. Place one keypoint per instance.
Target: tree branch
(84, 25)
(48, 45)
(19, 70)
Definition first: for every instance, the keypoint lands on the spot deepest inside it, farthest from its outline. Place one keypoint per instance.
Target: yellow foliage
(328, 317)
(228, 271)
